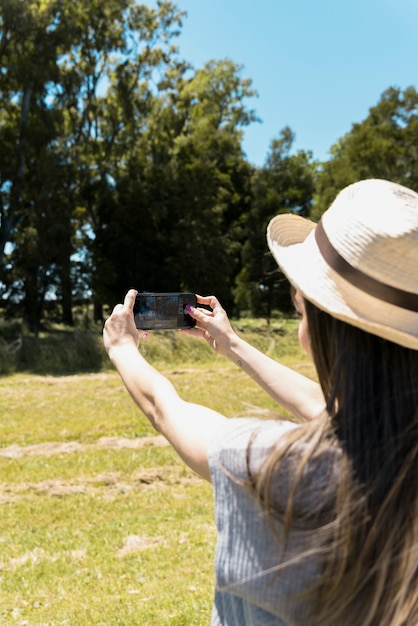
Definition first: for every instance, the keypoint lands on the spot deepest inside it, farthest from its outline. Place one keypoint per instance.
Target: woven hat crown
(373, 225)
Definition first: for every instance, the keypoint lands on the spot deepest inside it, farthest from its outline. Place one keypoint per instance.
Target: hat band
(375, 288)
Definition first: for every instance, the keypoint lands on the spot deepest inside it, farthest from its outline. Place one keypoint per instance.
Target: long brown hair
(368, 532)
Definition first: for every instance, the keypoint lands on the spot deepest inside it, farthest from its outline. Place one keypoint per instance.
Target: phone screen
(163, 311)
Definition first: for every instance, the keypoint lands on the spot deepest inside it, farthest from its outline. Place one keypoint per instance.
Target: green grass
(105, 537)
(99, 522)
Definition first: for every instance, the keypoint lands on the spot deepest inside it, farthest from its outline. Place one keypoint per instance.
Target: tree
(106, 130)
(284, 184)
(384, 145)
(181, 189)
(211, 179)
(29, 51)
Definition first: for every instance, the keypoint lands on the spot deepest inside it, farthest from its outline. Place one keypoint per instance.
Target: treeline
(122, 165)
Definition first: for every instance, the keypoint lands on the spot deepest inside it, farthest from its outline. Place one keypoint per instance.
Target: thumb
(130, 299)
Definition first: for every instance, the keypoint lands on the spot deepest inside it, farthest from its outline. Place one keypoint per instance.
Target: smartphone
(163, 311)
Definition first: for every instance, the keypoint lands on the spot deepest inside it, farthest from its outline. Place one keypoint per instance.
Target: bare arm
(188, 427)
(299, 395)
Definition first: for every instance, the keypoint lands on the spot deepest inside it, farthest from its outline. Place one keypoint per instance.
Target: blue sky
(317, 66)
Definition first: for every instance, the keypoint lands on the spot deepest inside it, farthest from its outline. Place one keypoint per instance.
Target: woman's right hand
(213, 326)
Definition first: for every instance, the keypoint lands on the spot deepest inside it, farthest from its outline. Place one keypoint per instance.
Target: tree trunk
(98, 311)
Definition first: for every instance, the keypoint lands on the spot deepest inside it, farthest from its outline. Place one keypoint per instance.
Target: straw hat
(360, 263)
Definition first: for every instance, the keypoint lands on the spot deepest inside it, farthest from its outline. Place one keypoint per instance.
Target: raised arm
(188, 427)
(298, 394)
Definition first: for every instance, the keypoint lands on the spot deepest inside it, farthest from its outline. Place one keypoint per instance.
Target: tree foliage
(384, 145)
(121, 165)
(285, 184)
(58, 59)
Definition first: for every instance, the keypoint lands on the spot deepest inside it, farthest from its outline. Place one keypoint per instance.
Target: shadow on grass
(58, 353)
(62, 351)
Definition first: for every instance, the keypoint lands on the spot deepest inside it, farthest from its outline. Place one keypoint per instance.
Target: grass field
(100, 522)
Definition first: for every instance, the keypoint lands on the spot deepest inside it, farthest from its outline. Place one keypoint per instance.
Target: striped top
(257, 582)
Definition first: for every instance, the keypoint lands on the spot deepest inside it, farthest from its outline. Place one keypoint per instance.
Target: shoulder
(230, 447)
(310, 479)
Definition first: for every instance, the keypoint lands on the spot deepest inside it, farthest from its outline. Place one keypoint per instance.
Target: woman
(317, 520)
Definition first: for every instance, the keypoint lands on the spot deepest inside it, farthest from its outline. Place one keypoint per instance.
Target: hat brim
(292, 242)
